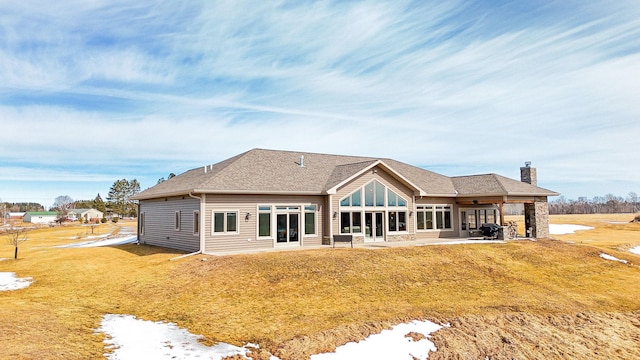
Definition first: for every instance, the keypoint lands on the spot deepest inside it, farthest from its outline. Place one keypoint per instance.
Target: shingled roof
(496, 185)
(261, 171)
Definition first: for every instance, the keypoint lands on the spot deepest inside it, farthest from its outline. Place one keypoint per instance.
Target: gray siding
(159, 223)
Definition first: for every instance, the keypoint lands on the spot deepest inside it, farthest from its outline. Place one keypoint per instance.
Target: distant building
(15, 215)
(86, 215)
(40, 217)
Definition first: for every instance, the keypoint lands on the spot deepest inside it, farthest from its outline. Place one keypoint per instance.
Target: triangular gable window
(354, 199)
(374, 196)
(394, 200)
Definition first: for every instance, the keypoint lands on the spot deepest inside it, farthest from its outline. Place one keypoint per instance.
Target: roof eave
(258, 192)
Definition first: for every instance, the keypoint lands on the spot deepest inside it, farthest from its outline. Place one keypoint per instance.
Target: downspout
(201, 225)
(330, 216)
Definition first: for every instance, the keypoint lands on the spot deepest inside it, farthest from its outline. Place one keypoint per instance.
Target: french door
(374, 226)
(288, 226)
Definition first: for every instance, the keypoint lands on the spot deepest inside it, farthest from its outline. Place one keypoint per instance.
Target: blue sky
(96, 91)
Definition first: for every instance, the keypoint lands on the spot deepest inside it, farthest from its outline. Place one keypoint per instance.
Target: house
(40, 217)
(15, 215)
(269, 199)
(86, 215)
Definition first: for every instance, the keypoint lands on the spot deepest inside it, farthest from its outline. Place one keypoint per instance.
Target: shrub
(103, 220)
(115, 219)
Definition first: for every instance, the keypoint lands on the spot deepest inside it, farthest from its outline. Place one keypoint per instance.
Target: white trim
(225, 225)
(271, 227)
(203, 222)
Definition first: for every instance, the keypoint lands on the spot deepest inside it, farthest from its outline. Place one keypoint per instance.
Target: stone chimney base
(536, 219)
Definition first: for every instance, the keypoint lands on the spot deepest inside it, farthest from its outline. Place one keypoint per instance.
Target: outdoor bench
(342, 238)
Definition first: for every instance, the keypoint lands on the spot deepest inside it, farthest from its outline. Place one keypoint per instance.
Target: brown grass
(301, 302)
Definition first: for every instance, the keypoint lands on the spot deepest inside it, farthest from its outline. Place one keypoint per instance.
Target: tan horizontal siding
(246, 237)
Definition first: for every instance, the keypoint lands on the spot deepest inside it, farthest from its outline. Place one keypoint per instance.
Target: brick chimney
(528, 174)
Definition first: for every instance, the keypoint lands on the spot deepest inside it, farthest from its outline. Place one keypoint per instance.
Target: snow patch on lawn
(635, 250)
(131, 338)
(563, 229)
(404, 341)
(9, 281)
(104, 242)
(613, 258)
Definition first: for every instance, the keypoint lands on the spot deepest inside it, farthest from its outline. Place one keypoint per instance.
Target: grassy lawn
(300, 302)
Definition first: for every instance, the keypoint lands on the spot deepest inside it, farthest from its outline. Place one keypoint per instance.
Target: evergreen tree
(99, 204)
(119, 197)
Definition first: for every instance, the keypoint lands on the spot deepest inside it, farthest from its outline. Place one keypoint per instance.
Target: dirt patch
(525, 336)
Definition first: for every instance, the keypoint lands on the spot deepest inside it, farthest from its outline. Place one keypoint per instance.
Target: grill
(490, 230)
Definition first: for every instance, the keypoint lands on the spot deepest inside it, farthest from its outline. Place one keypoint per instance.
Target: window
(351, 222)
(379, 189)
(475, 218)
(356, 222)
(393, 221)
(177, 220)
(374, 194)
(355, 199)
(427, 214)
(310, 220)
(225, 222)
(402, 221)
(264, 221)
(345, 222)
(196, 222)
(394, 200)
(397, 221)
(141, 222)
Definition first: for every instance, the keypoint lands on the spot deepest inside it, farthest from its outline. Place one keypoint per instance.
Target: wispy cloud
(470, 84)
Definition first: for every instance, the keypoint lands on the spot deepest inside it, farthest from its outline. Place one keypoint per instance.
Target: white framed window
(196, 222)
(224, 222)
(310, 219)
(141, 223)
(178, 220)
(350, 222)
(264, 221)
(434, 217)
(397, 221)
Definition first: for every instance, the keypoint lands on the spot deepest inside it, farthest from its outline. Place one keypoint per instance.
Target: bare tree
(3, 206)
(63, 204)
(16, 236)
